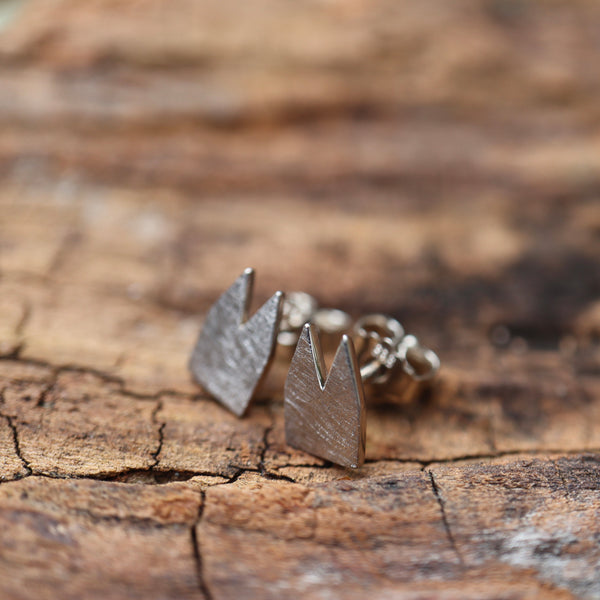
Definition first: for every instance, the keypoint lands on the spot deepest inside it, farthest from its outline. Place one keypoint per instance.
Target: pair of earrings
(325, 413)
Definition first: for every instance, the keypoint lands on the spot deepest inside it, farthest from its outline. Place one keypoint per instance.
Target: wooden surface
(437, 161)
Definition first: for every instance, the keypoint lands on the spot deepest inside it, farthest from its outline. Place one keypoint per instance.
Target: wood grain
(436, 161)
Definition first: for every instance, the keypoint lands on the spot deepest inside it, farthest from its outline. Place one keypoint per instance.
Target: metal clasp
(300, 308)
(383, 347)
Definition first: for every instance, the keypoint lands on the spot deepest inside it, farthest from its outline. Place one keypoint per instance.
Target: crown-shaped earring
(233, 352)
(324, 412)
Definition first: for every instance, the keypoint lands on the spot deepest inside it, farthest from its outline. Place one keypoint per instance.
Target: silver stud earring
(325, 413)
(233, 352)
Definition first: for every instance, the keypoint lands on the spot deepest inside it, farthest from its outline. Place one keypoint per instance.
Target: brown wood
(437, 161)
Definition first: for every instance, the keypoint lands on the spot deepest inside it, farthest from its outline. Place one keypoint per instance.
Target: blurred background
(439, 161)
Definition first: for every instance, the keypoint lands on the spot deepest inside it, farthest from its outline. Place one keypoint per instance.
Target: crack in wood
(161, 435)
(41, 401)
(197, 551)
(15, 438)
(262, 469)
(17, 445)
(440, 501)
(109, 378)
(468, 457)
(151, 476)
(265, 448)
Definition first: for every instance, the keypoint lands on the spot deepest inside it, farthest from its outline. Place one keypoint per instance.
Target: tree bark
(438, 162)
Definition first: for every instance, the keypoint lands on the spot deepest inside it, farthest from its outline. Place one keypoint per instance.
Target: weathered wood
(437, 161)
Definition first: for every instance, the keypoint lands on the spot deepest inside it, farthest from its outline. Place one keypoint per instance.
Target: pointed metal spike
(232, 354)
(312, 333)
(248, 281)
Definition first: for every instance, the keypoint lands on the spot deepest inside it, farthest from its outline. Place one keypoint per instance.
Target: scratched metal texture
(325, 413)
(233, 352)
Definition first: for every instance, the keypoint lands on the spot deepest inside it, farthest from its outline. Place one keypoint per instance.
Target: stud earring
(234, 352)
(325, 413)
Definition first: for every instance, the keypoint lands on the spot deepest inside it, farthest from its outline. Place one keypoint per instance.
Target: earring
(234, 352)
(325, 413)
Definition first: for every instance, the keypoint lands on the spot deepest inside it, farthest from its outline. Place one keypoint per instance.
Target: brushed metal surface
(233, 352)
(325, 413)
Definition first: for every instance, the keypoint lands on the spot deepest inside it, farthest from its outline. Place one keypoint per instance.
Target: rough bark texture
(439, 161)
